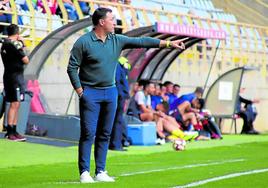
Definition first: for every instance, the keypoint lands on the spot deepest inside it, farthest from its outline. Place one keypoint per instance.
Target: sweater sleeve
(139, 42)
(74, 64)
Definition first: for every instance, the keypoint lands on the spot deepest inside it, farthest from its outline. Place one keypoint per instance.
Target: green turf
(34, 165)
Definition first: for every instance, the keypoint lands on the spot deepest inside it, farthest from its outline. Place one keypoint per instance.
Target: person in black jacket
(246, 110)
(119, 127)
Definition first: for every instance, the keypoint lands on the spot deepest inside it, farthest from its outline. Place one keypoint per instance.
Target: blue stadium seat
(40, 20)
(26, 17)
(146, 4)
(151, 17)
(56, 22)
(164, 18)
(141, 19)
(204, 24)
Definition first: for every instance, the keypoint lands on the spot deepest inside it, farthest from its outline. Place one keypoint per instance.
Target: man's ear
(101, 22)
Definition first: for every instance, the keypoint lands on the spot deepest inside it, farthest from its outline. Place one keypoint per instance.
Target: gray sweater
(93, 62)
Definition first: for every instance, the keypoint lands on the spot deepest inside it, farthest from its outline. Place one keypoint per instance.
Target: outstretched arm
(149, 42)
(173, 44)
(245, 101)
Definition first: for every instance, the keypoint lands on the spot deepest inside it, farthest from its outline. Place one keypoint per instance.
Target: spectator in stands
(84, 7)
(7, 17)
(72, 14)
(92, 9)
(117, 16)
(127, 2)
(128, 15)
(14, 59)
(22, 4)
(247, 111)
(34, 3)
(52, 5)
(4, 17)
(91, 70)
(119, 127)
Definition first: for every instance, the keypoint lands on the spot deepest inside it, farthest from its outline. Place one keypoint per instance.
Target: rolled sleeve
(140, 98)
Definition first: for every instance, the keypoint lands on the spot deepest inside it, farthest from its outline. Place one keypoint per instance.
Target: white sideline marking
(160, 170)
(183, 167)
(64, 182)
(116, 164)
(202, 182)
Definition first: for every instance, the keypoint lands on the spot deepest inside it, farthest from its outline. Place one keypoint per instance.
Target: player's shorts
(177, 115)
(13, 94)
(14, 87)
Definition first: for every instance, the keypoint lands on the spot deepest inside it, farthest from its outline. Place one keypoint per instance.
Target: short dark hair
(176, 85)
(142, 82)
(12, 29)
(147, 83)
(199, 90)
(166, 83)
(98, 14)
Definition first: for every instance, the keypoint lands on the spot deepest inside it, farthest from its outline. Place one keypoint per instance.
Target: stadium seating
(249, 40)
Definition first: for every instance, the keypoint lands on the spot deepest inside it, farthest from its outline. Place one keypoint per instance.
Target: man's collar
(95, 38)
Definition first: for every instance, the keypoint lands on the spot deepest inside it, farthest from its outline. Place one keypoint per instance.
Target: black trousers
(119, 127)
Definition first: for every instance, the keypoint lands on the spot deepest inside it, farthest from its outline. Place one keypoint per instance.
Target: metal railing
(245, 44)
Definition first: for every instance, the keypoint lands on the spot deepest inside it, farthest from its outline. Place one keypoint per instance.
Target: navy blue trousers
(97, 112)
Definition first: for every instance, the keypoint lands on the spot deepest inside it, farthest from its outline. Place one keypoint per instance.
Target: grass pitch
(236, 161)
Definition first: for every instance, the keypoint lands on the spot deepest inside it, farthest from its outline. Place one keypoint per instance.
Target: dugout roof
(147, 63)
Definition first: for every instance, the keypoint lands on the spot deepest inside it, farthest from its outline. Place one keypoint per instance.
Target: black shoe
(250, 132)
(4, 128)
(126, 143)
(253, 131)
(117, 149)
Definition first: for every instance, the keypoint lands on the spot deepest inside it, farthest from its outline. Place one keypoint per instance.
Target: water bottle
(18, 93)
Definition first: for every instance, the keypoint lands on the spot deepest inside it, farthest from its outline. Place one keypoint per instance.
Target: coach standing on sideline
(14, 59)
(95, 55)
